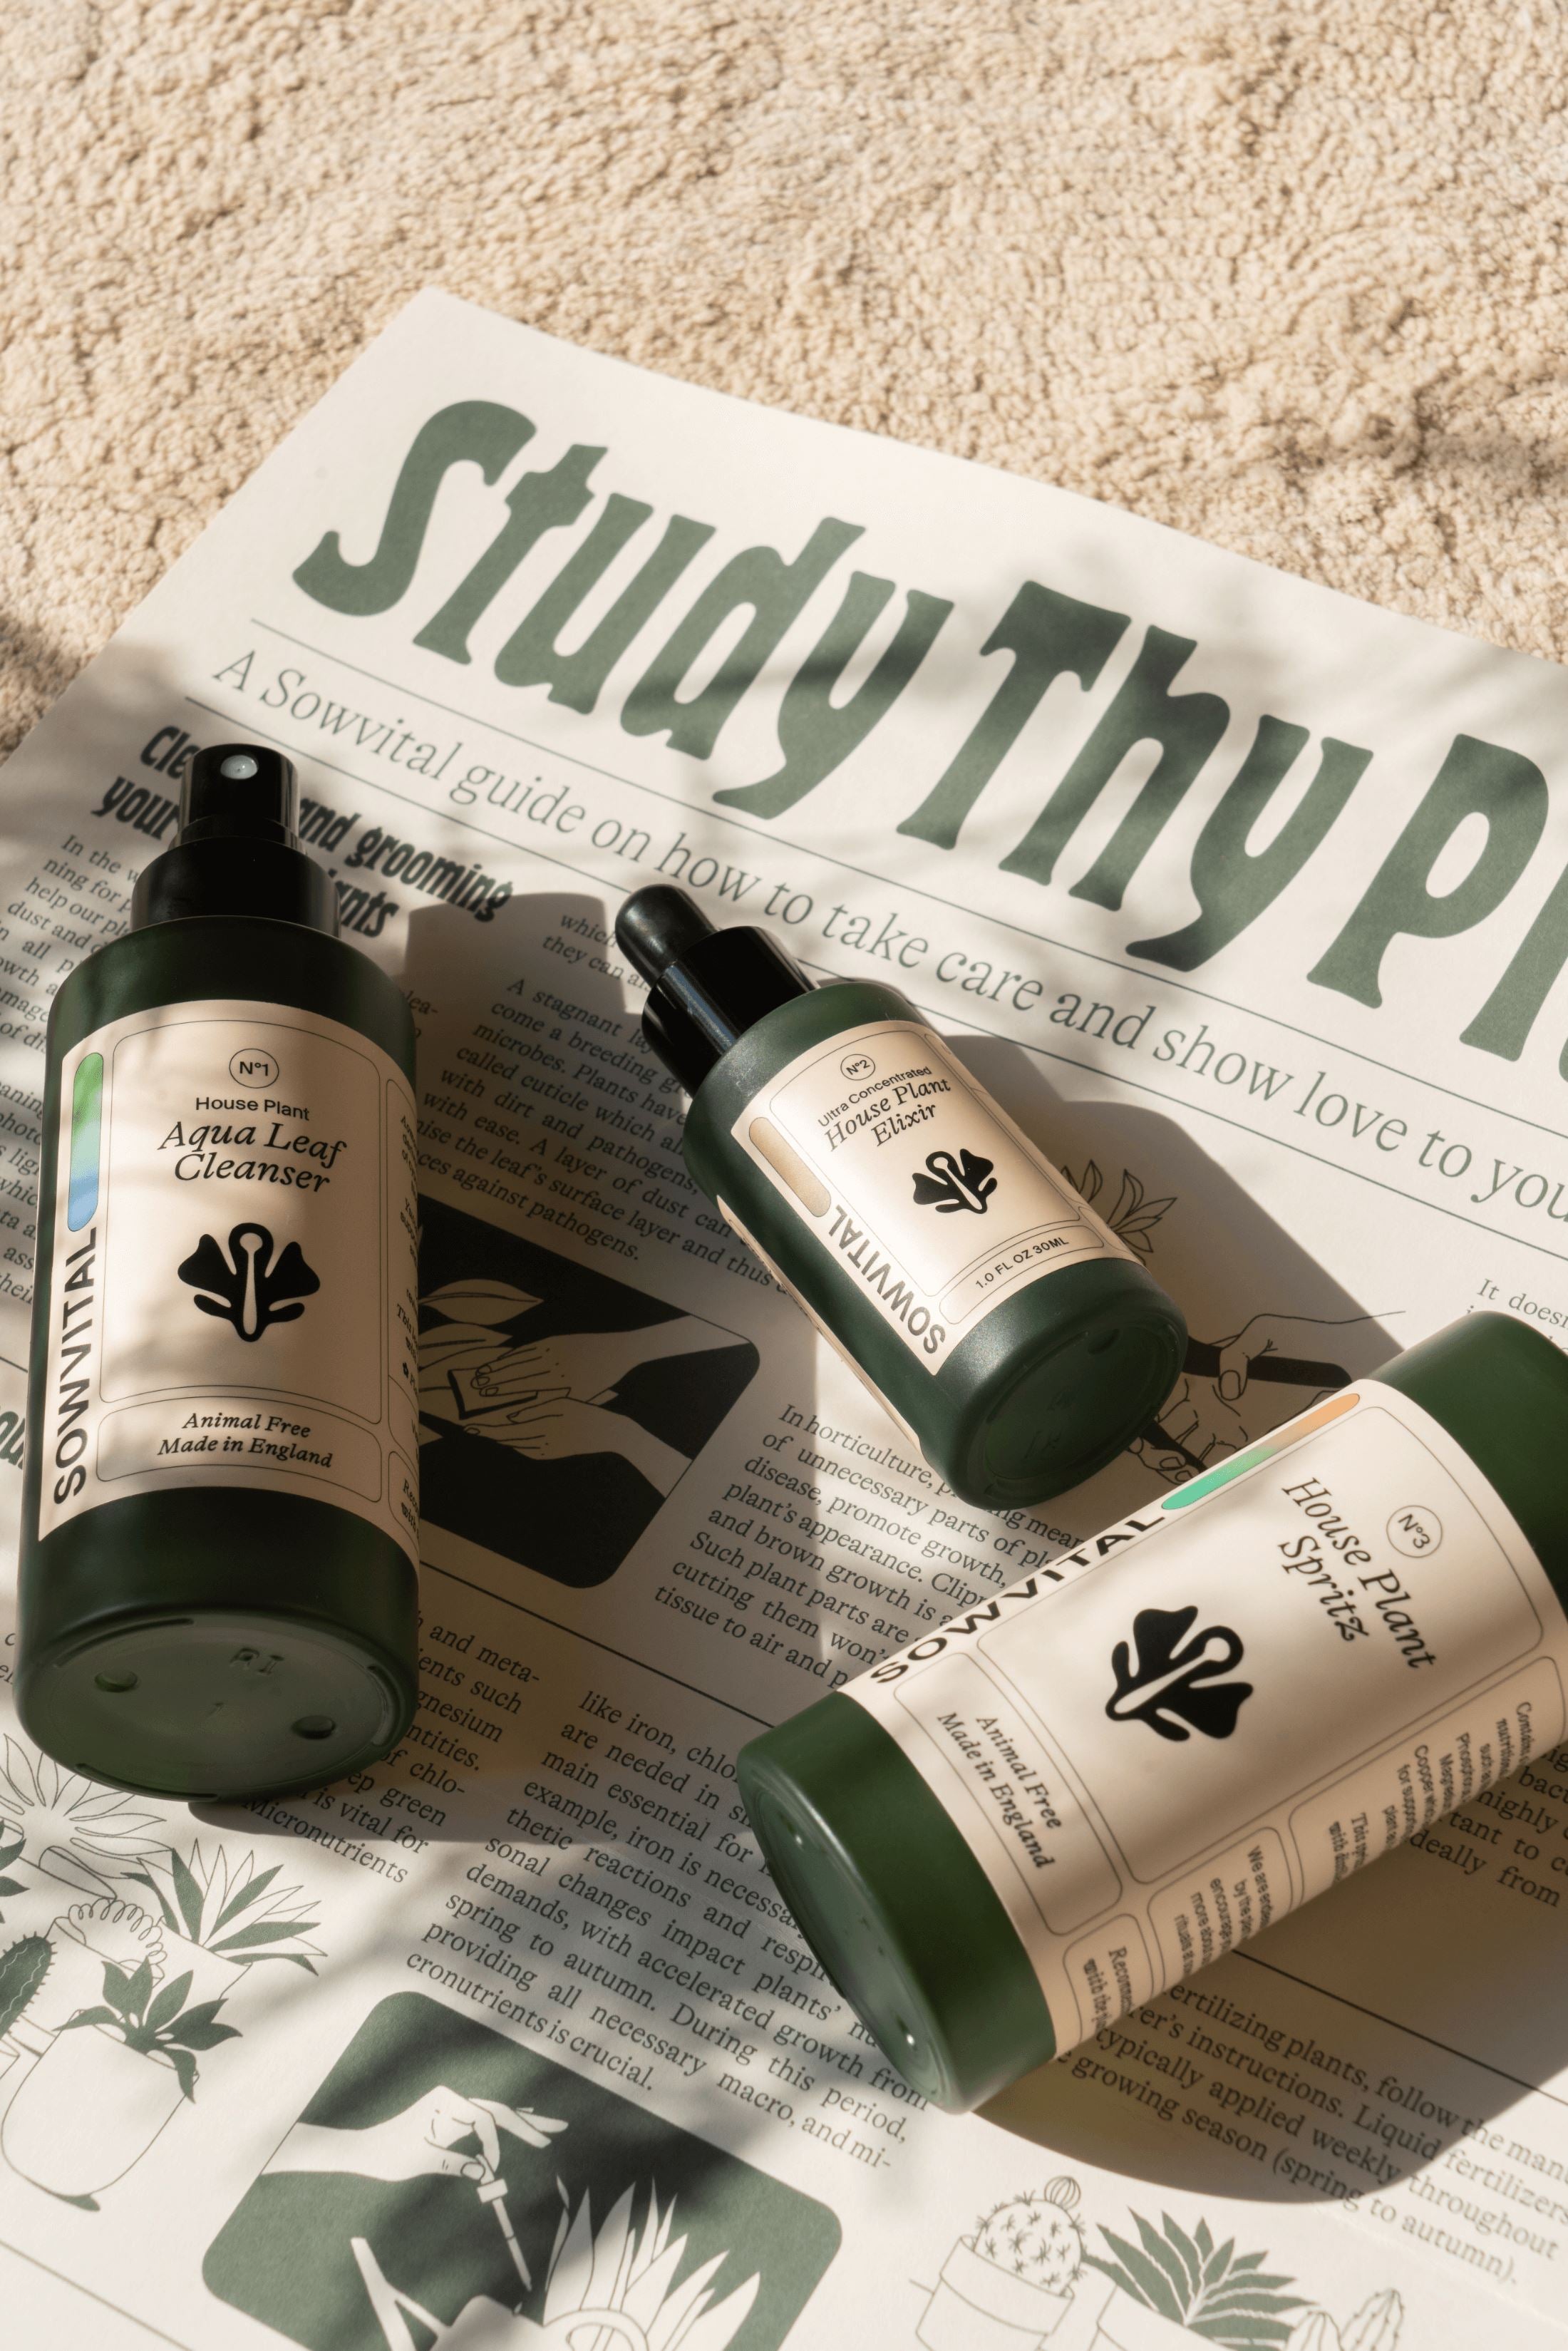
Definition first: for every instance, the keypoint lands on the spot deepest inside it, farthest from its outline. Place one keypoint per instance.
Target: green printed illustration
(446, 2187)
(110, 2081)
(1205, 2289)
(1233, 1389)
(230, 1909)
(119, 1958)
(1015, 2279)
(81, 1834)
(1026, 2276)
(534, 1372)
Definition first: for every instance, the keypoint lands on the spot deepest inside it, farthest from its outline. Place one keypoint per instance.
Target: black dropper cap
(706, 987)
(238, 851)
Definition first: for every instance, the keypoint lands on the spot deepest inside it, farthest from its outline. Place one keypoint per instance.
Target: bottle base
(1054, 1413)
(214, 1707)
(893, 1904)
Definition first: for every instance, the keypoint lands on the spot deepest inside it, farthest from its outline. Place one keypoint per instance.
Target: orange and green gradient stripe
(1198, 1489)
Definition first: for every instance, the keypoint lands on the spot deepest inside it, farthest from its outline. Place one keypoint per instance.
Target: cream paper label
(1276, 1673)
(829, 1338)
(233, 1292)
(920, 1186)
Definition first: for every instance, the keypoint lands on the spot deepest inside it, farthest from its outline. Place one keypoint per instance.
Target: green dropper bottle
(1041, 1814)
(1013, 1339)
(220, 1521)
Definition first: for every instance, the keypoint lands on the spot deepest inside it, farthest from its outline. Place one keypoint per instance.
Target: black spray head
(238, 851)
(240, 791)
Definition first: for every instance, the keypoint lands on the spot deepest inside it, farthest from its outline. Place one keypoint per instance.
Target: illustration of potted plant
(1012, 2283)
(614, 2289)
(230, 1914)
(59, 1830)
(110, 2081)
(85, 1940)
(1172, 2282)
(1374, 2327)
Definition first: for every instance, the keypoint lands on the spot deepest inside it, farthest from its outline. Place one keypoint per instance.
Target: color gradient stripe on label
(1198, 1489)
(87, 1105)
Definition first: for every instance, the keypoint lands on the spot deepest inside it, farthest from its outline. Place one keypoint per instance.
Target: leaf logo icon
(1174, 1687)
(246, 1288)
(950, 1184)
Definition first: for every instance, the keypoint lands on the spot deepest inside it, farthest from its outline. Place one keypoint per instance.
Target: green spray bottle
(217, 1588)
(1014, 1339)
(1033, 1819)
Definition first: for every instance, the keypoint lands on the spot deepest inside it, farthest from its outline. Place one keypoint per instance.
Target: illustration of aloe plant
(613, 2288)
(1211, 2290)
(156, 2022)
(77, 1831)
(232, 1910)
(629, 2273)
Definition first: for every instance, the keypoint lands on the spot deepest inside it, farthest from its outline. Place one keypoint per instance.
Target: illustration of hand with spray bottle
(442, 2134)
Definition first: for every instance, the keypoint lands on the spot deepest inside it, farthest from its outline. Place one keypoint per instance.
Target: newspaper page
(1251, 904)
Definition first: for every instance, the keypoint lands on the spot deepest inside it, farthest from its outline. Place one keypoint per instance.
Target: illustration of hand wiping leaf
(546, 1399)
(464, 1337)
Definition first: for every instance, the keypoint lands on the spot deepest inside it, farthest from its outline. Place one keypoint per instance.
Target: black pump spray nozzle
(240, 791)
(237, 850)
(706, 987)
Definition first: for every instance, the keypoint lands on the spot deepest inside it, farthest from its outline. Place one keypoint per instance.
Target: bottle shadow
(1271, 1330)
(557, 1221)
(590, 1331)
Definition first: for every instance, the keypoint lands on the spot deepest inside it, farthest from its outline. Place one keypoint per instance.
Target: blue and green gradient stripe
(87, 1122)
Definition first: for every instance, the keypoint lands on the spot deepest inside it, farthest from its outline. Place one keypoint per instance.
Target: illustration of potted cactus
(614, 2289)
(1172, 2282)
(1012, 2283)
(231, 1915)
(22, 1968)
(109, 2082)
(1375, 2327)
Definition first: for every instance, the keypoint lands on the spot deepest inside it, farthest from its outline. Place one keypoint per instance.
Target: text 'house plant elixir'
(1015, 1340)
(220, 1522)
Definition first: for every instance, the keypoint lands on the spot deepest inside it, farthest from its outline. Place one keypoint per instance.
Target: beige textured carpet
(1288, 276)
